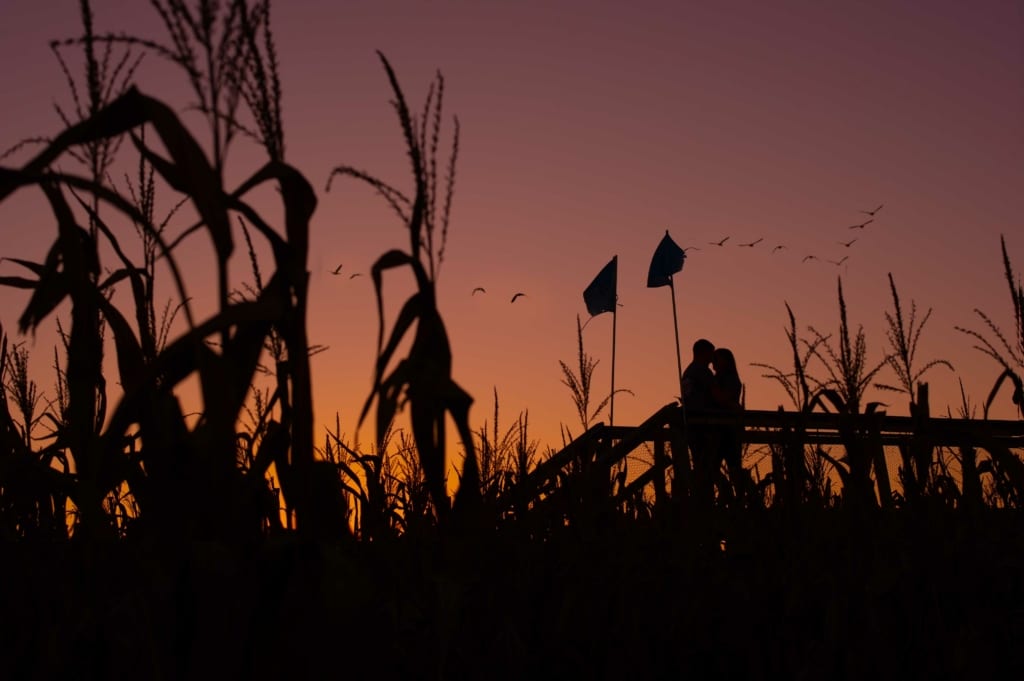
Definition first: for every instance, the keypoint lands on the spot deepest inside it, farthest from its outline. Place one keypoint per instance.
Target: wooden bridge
(587, 464)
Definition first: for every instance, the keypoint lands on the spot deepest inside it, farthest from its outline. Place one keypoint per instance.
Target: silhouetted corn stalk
(966, 455)
(579, 382)
(790, 459)
(23, 389)
(369, 484)
(33, 493)
(411, 495)
(1004, 464)
(205, 456)
(423, 379)
(904, 335)
(849, 377)
(505, 457)
(525, 448)
(1007, 352)
(579, 385)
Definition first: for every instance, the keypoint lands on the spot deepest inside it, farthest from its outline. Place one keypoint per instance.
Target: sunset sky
(588, 130)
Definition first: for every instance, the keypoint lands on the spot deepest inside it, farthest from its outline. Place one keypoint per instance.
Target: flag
(668, 259)
(601, 294)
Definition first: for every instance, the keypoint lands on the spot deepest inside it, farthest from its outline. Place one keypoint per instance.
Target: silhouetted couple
(711, 384)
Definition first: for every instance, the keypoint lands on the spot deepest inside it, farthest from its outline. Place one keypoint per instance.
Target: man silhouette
(697, 377)
(697, 397)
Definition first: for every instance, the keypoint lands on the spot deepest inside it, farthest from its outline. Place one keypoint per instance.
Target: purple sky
(588, 129)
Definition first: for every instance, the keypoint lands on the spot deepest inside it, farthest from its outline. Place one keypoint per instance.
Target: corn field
(140, 541)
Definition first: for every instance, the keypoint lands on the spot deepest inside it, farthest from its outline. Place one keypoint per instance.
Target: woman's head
(723, 361)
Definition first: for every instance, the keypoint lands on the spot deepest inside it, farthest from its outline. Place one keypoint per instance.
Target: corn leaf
(19, 282)
(34, 267)
(130, 361)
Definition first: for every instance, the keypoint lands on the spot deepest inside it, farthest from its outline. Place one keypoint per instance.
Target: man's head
(703, 350)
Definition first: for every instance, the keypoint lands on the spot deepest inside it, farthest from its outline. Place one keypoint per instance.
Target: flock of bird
(846, 244)
(479, 289)
(337, 271)
(721, 243)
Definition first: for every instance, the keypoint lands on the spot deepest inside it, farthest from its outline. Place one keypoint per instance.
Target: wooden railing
(594, 454)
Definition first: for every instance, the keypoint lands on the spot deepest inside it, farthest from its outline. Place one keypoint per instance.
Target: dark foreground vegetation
(805, 595)
(137, 542)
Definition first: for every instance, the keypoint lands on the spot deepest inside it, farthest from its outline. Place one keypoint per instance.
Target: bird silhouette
(863, 224)
(839, 262)
(478, 288)
(809, 257)
(690, 248)
(357, 274)
(752, 243)
(516, 296)
(846, 243)
(778, 248)
(337, 270)
(872, 212)
(718, 243)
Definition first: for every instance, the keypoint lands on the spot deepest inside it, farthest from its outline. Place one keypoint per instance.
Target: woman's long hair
(728, 362)
(726, 373)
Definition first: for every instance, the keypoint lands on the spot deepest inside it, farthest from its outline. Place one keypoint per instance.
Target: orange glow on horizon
(587, 131)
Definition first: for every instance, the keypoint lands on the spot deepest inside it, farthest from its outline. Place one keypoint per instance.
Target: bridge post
(660, 463)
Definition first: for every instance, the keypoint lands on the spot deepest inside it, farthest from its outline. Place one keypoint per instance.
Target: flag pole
(675, 321)
(615, 315)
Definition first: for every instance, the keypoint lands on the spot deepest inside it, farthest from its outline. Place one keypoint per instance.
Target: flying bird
(478, 288)
(846, 243)
(839, 262)
(357, 274)
(337, 270)
(778, 248)
(863, 224)
(690, 248)
(752, 243)
(718, 243)
(872, 212)
(809, 257)
(516, 296)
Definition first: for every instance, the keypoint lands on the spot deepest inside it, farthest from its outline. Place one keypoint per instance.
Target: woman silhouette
(727, 395)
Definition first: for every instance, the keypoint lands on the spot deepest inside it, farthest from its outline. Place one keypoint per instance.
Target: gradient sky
(588, 129)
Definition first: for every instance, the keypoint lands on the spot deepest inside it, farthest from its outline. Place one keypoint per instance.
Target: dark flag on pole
(668, 259)
(600, 295)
